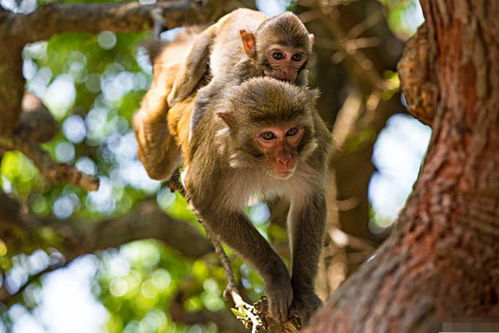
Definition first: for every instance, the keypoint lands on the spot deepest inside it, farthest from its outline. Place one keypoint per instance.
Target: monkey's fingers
(279, 311)
(280, 300)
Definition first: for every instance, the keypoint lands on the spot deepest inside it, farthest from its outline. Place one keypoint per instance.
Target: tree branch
(78, 237)
(52, 171)
(56, 18)
(146, 221)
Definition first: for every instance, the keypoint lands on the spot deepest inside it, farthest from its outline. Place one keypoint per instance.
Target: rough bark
(442, 260)
(417, 76)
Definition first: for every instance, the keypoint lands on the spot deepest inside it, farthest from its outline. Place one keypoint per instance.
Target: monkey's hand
(304, 305)
(280, 295)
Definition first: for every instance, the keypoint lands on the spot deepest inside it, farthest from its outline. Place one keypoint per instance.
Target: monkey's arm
(307, 238)
(234, 229)
(194, 67)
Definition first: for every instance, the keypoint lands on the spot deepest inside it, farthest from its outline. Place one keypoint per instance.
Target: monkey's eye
(267, 136)
(292, 131)
(297, 57)
(278, 55)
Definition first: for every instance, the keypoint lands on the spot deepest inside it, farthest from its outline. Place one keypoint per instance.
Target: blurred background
(130, 257)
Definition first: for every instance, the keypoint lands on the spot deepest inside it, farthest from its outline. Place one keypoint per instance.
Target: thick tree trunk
(442, 260)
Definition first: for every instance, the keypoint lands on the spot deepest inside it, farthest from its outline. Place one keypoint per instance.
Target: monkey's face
(270, 123)
(279, 148)
(282, 46)
(284, 63)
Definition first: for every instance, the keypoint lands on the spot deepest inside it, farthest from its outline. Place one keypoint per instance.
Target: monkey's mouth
(281, 174)
(280, 75)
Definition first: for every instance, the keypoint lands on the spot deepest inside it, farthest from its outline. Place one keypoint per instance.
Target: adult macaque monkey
(241, 45)
(263, 138)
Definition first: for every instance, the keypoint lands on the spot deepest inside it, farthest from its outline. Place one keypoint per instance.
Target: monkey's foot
(271, 325)
(304, 305)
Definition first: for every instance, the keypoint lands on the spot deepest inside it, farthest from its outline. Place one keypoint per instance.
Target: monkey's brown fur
(157, 149)
(224, 170)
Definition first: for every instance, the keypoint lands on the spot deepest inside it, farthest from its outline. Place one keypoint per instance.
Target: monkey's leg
(234, 229)
(157, 149)
(193, 68)
(306, 223)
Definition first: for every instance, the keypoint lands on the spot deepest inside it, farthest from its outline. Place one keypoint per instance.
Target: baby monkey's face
(285, 62)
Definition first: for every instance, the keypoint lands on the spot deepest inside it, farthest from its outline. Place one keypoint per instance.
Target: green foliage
(21, 173)
(404, 16)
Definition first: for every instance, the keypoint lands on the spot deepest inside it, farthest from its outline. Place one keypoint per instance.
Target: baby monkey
(242, 45)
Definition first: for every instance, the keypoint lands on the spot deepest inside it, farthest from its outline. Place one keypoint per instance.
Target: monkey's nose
(287, 76)
(285, 161)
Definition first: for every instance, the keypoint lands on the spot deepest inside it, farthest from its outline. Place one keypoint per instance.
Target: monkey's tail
(154, 46)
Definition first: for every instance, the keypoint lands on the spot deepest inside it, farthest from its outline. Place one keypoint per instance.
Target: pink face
(279, 144)
(285, 62)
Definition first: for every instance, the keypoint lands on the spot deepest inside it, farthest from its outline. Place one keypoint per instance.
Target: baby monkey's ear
(312, 39)
(248, 39)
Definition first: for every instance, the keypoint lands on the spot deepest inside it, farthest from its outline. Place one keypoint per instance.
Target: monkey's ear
(248, 40)
(312, 39)
(227, 117)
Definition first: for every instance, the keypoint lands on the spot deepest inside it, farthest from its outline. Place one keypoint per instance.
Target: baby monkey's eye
(278, 55)
(292, 131)
(297, 57)
(267, 136)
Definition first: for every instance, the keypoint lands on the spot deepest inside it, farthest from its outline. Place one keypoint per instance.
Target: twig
(365, 25)
(9, 298)
(52, 171)
(365, 70)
